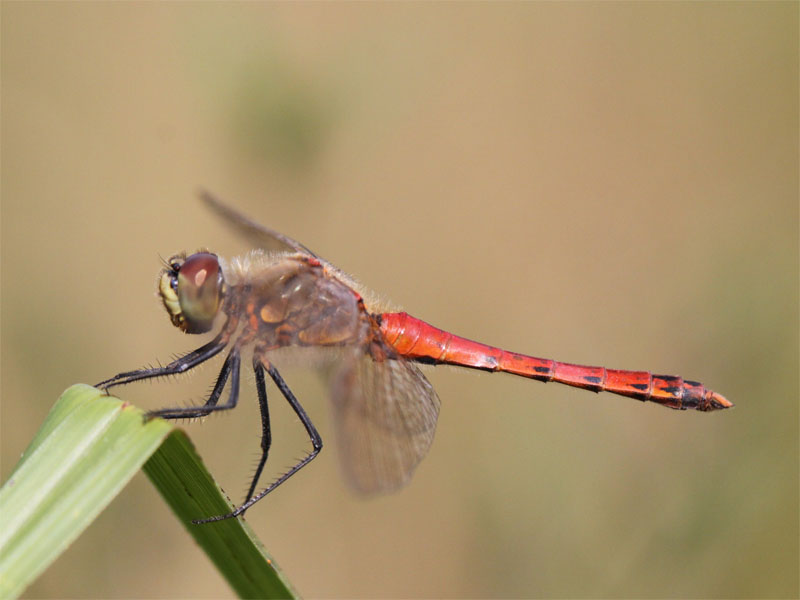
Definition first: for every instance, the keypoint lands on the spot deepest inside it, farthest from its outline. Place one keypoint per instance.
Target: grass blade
(179, 474)
(86, 451)
(88, 448)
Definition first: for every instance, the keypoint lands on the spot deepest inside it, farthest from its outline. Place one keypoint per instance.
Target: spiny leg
(266, 434)
(181, 365)
(229, 367)
(313, 434)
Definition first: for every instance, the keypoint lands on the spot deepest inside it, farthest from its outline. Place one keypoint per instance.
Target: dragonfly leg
(230, 367)
(181, 365)
(313, 434)
(266, 434)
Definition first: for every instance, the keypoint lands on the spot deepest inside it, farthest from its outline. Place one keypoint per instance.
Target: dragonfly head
(191, 289)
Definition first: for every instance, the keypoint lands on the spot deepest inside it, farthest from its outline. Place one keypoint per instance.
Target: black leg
(181, 365)
(266, 434)
(230, 367)
(316, 442)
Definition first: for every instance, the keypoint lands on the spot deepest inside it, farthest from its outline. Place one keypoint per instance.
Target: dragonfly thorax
(293, 300)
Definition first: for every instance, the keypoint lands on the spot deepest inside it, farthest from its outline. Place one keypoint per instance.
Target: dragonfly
(282, 297)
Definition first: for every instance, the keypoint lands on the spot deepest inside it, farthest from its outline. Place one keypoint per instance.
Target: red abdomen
(417, 340)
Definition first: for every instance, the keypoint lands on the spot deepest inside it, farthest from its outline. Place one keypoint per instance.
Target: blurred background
(610, 184)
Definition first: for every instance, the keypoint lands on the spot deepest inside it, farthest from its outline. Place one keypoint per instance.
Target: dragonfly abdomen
(418, 340)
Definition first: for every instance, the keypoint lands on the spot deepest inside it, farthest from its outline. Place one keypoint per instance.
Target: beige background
(598, 183)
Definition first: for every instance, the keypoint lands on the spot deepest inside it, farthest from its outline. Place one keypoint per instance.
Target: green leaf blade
(179, 474)
(86, 451)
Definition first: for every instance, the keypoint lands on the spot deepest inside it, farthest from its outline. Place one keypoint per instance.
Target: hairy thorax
(294, 300)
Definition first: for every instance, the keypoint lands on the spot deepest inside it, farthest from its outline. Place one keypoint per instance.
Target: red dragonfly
(284, 297)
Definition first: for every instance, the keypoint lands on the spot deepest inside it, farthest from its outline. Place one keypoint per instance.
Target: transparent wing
(385, 414)
(269, 239)
(259, 236)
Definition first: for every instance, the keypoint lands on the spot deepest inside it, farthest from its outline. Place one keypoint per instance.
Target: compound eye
(199, 291)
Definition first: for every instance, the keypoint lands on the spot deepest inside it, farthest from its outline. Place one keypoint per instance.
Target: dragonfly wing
(260, 236)
(269, 239)
(385, 414)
